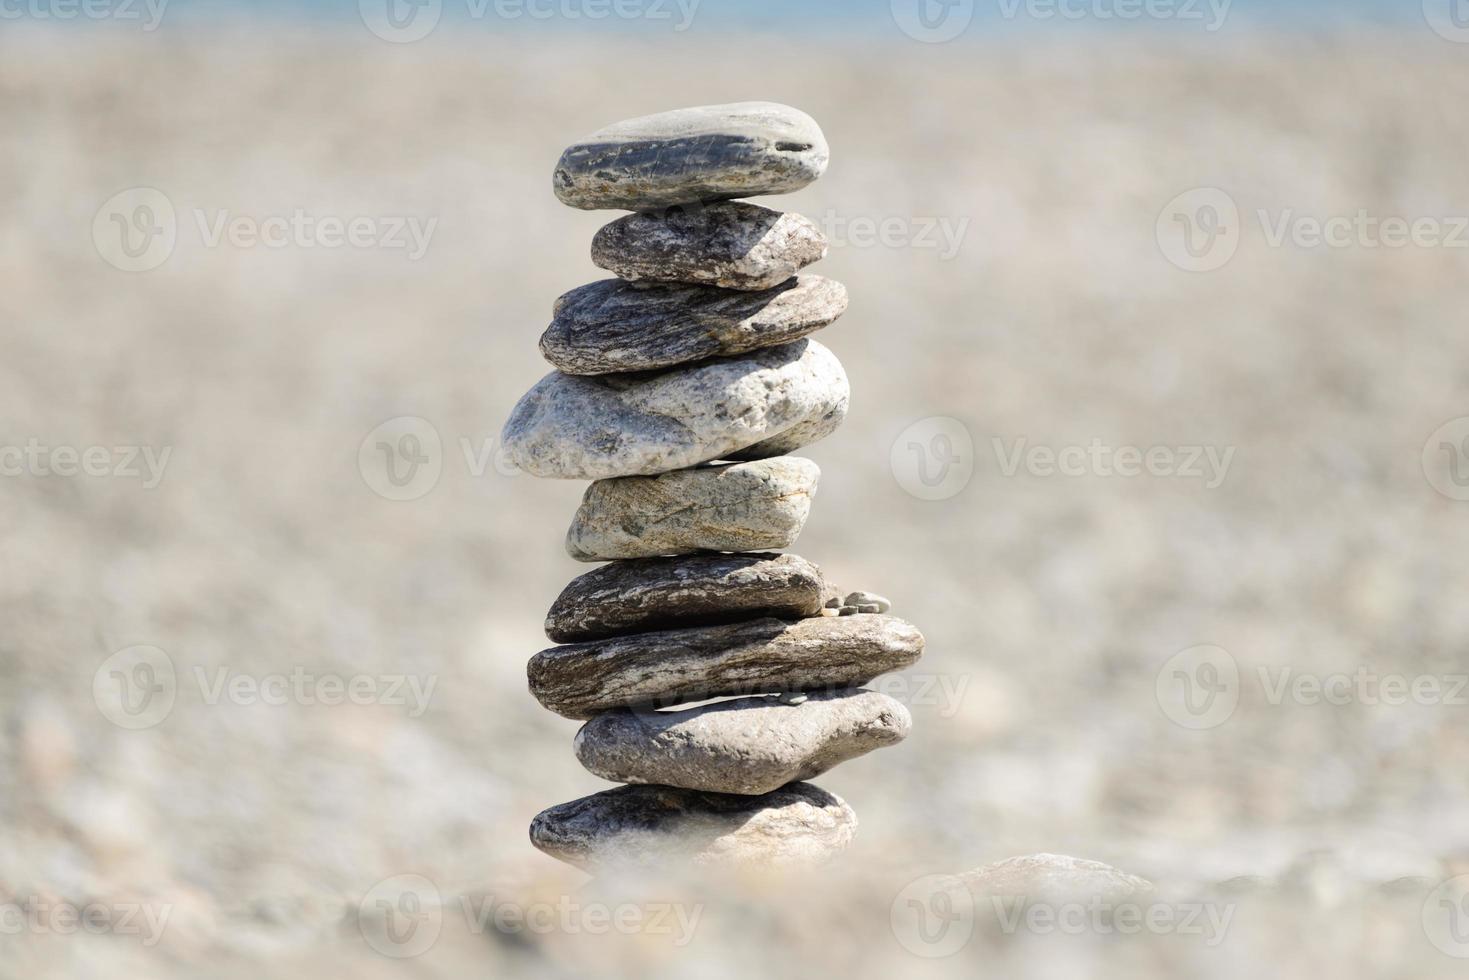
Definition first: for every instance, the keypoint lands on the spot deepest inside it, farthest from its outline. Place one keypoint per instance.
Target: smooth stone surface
(704, 153)
(754, 506)
(765, 403)
(733, 245)
(748, 745)
(761, 656)
(699, 590)
(637, 827)
(615, 326)
(1052, 878)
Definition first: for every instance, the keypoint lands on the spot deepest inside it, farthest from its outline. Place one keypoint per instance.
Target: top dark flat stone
(705, 153)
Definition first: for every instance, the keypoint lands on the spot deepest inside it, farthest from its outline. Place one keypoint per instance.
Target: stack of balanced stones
(680, 389)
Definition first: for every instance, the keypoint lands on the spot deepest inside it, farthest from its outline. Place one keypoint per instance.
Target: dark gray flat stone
(734, 245)
(705, 153)
(669, 593)
(639, 827)
(615, 326)
(762, 656)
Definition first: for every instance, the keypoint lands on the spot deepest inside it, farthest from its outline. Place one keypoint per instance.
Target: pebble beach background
(1005, 214)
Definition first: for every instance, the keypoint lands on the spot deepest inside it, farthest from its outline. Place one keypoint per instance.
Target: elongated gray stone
(754, 506)
(699, 590)
(636, 827)
(733, 245)
(615, 326)
(579, 428)
(705, 153)
(761, 656)
(748, 745)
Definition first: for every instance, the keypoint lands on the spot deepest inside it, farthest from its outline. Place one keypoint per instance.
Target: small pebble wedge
(756, 506)
(748, 745)
(733, 245)
(860, 599)
(760, 656)
(704, 153)
(614, 326)
(632, 828)
(765, 403)
(667, 593)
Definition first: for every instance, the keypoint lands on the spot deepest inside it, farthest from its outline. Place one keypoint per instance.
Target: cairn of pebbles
(680, 389)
